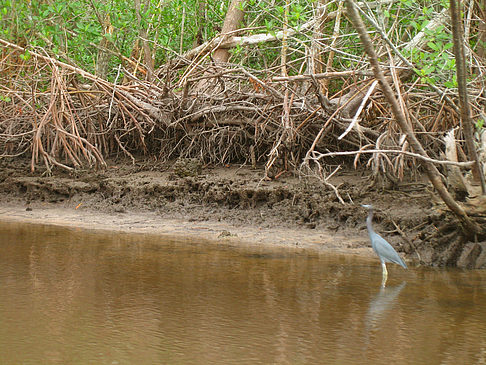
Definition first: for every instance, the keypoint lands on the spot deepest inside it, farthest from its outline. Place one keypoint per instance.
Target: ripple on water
(73, 296)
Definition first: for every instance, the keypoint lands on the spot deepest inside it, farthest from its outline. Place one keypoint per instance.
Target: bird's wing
(386, 252)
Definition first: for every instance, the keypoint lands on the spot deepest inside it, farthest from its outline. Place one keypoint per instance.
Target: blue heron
(382, 248)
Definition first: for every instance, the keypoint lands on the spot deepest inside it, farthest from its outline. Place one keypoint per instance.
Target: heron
(382, 248)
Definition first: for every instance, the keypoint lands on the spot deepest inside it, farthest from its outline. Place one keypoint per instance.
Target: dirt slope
(233, 204)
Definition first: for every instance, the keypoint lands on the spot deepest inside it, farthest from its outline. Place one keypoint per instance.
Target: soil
(233, 204)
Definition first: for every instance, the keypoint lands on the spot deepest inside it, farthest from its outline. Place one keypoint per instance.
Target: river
(71, 296)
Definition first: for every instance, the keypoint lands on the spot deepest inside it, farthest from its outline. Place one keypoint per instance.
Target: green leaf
(433, 45)
(451, 84)
(427, 70)
(448, 46)
(430, 80)
(479, 124)
(26, 56)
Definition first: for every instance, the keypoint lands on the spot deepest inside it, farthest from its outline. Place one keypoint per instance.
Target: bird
(382, 248)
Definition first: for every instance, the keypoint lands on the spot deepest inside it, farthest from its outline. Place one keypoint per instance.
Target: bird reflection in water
(381, 304)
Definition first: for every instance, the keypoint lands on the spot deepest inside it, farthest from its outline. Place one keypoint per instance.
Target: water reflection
(71, 296)
(381, 305)
(380, 314)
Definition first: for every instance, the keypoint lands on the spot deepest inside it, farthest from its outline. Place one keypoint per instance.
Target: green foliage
(435, 64)
(73, 30)
(438, 63)
(479, 124)
(77, 31)
(26, 56)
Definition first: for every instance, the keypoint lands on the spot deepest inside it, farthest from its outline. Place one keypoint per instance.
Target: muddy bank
(185, 199)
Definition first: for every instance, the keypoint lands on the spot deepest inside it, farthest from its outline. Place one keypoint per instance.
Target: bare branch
(318, 155)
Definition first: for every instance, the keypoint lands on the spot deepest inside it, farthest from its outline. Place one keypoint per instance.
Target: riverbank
(227, 204)
(186, 229)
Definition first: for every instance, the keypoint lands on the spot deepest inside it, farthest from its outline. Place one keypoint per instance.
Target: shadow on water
(73, 296)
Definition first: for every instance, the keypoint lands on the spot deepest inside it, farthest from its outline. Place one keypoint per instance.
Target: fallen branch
(358, 112)
(323, 75)
(229, 41)
(318, 156)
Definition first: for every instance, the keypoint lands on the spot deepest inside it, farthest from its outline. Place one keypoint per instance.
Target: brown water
(76, 297)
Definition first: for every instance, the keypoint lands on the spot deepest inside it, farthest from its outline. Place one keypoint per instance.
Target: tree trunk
(470, 228)
(232, 22)
(103, 57)
(200, 21)
(316, 64)
(143, 34)
(482, 29)
(466, 122)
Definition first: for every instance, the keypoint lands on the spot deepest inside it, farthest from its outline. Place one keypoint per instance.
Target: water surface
(78, 297)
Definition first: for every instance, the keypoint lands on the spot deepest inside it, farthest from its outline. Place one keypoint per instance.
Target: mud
(234, 204)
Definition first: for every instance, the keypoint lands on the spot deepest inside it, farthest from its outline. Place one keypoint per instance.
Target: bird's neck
(368, 222)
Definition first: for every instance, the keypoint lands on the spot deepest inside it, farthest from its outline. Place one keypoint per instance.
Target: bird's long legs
(385, 274)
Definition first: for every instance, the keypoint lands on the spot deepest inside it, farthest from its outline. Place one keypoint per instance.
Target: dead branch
(470, 227)
(240, 114)
(318, 156)
(324, 75)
